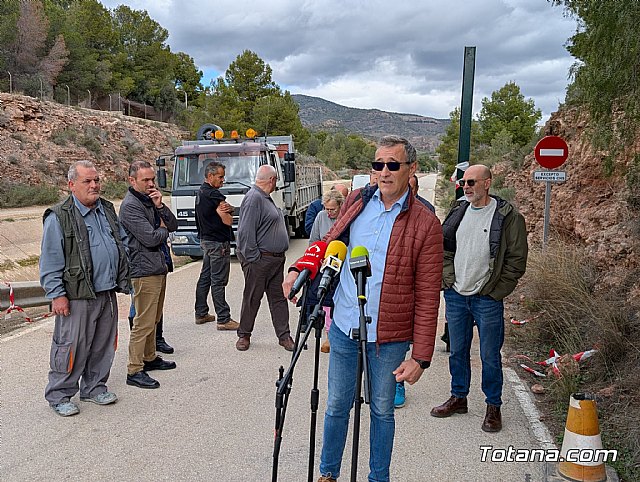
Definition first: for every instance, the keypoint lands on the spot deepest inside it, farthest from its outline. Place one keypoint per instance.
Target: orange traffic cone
(582, 442)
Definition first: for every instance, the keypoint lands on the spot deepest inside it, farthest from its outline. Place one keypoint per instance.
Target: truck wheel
(300, 232)
(206, 129)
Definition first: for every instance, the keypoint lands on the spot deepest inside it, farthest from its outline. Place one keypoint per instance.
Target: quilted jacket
(411, 281)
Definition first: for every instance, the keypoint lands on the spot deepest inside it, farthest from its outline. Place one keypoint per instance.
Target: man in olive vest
(82, 266)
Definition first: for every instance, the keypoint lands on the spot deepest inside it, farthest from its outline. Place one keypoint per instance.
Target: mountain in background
(319, 114)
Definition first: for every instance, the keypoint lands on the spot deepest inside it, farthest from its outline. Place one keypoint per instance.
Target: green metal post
(466, 107)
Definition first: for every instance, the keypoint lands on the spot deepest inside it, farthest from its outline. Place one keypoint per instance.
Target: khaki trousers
(148, 300)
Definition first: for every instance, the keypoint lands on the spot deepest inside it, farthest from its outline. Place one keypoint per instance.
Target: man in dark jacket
(148, 223)
(82, 266)
(214, 218)
(404, 241)
(485, 254)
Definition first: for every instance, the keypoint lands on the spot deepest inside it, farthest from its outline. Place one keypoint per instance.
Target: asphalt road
(213, 417)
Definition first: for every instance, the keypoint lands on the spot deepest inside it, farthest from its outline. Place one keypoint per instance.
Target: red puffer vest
(412, 278)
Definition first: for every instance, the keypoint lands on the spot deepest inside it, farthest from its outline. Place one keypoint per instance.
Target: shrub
(581, 314)
(62, 136)
(15, 195)
(115, 189)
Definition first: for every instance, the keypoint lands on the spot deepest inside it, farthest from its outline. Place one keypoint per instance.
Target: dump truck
(298, 185)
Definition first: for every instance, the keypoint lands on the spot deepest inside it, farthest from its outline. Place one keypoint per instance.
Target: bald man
(485, 254)
(262, 240)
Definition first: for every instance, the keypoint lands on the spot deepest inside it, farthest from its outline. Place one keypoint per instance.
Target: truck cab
(241, 159)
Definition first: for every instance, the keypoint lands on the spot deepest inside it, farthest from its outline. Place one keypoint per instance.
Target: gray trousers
(83, 346)
(214, 276)
(264, 276)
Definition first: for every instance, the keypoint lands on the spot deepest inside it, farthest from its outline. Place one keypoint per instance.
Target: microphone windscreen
(359, 251)
(337, 249)
(317, 249)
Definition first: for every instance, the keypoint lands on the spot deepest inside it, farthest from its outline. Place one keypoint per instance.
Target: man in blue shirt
(83, 264)
(404, 242)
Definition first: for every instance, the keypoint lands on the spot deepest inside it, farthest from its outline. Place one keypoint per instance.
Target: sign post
(550, 152)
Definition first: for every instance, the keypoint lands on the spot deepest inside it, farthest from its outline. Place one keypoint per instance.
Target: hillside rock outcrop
(40, 139)
(591, 209)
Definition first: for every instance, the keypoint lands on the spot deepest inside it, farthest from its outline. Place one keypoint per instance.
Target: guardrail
(26, 294)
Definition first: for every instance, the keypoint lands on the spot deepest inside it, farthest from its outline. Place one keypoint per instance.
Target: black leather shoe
(142, 380)
(163, 347)
(159, 364)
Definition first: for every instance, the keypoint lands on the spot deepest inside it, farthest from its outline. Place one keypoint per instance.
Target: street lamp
(68, 95)
(10, 88)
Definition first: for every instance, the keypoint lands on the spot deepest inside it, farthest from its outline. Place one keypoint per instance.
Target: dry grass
(581, 314)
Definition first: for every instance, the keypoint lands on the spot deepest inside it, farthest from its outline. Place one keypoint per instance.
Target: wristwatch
(423, 363)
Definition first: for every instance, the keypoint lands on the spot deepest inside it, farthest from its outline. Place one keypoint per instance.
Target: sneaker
(104, 398)
(65, 409)
(228, 326)
(205, 319)
(400, 398)
(159, 364)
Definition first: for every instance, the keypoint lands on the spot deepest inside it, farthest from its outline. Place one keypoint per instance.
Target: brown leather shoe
(325, 347)
(451, 406)
(326, 479)
(243, 343)
(287, 344)
(205, 319)
(492, 420)
(228, 326)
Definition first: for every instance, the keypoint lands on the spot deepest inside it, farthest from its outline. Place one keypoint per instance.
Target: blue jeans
(214, 276)
(383, 359)
(488, 314)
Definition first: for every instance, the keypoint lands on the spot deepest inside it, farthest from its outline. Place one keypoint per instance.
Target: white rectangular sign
(550, 176)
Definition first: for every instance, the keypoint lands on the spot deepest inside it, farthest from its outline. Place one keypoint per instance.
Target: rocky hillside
(319, 114)
(591, 209)
(39, 140)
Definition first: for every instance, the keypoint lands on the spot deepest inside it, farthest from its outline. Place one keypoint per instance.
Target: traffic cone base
(582, 434)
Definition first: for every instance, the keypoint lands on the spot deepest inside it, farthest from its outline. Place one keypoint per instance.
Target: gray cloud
(397, 56)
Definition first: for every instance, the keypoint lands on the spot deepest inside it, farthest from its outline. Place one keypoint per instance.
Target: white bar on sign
(552, 152)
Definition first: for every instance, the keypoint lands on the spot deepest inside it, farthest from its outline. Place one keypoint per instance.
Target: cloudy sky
(400, 56)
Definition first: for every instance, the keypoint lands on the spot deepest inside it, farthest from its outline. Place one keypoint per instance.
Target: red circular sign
(551, 152)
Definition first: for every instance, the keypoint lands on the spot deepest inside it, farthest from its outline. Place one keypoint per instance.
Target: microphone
(336, 253)
(308, 266)
(360, 268)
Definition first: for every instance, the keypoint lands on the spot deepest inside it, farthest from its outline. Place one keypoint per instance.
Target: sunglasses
(469, 182)
(392, 165)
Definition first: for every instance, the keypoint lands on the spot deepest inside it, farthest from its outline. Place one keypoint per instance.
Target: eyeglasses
(469, 182)
(392, 165)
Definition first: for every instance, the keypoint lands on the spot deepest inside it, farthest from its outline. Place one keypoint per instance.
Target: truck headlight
(180, 240)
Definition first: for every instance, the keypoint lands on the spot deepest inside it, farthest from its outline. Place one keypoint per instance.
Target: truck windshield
(240, 167)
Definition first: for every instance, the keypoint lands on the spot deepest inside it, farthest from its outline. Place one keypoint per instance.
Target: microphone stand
(285, 379)
(362, 374)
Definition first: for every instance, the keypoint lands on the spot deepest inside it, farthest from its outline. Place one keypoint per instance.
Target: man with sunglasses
(485, 254)
(404, 241)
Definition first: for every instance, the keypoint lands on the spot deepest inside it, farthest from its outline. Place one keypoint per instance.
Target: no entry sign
(551, 152)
